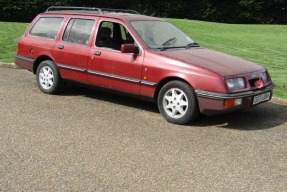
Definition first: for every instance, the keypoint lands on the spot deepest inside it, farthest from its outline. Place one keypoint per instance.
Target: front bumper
(211, 103)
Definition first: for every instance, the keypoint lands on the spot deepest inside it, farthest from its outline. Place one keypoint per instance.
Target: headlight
(264, 76)
(235, 84)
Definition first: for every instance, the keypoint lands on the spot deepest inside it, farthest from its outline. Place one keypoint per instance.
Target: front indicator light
(232, 102)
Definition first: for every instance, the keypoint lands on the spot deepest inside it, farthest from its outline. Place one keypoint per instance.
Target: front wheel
(48, 77)
(177, 102)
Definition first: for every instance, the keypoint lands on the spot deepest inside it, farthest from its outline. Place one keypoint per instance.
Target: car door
(108, 66)
(72, 52)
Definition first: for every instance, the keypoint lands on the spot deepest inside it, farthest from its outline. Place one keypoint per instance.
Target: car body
(140, 55)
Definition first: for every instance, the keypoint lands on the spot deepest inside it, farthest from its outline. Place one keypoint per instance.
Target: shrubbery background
(227, 11)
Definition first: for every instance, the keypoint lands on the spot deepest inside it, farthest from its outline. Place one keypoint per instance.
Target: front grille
(252, 82)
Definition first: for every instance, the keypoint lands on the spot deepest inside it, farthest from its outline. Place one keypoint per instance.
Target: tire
(177, 102)
(48, 77)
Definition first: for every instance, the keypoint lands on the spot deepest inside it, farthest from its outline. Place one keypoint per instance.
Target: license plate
(261, 98)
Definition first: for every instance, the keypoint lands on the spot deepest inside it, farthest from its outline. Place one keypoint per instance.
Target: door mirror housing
(128, 48)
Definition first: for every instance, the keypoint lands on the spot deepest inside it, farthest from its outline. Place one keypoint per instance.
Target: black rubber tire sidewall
(192, 111)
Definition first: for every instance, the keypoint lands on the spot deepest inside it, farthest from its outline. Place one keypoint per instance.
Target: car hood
(220, 63)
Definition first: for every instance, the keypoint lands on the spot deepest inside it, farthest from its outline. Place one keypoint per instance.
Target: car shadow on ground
(109, 96)
(265, 116)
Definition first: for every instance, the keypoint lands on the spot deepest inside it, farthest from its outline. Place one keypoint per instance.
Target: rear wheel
(48, 77)
(177, 102)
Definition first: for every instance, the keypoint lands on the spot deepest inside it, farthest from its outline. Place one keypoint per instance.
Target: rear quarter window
(79, 31)
(47, 27)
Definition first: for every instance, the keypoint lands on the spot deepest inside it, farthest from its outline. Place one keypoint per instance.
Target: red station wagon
(140, 55)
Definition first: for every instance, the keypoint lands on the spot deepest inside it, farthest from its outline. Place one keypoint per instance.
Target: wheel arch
(39, 60)
(165, 81)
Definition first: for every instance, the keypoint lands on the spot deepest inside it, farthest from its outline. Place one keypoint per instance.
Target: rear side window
(79, 31)
(47, 27)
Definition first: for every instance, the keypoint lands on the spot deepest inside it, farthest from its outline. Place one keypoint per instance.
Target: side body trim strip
(148, 83)
(71, 68)
(114, 76)
(132, 80)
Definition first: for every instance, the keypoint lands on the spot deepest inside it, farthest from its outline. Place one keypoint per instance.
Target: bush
(236, 11)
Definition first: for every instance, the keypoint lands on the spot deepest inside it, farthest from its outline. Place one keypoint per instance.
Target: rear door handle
(97, 53)
(60, 46)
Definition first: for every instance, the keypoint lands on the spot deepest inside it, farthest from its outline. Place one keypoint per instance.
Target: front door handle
(97, 53)
(60, 46)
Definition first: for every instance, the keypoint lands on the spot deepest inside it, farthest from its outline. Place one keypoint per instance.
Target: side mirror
(128, 48)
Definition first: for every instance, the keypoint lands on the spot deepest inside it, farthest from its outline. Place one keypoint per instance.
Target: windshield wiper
(167, 43)
(192, 45)
(170, 42)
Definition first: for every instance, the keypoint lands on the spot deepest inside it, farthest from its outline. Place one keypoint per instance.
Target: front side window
(112, 35)
(160, 34)
(79, 31)
(47, 27)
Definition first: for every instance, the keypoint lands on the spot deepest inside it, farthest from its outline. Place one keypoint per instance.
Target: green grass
(263, 44)
(9, 35)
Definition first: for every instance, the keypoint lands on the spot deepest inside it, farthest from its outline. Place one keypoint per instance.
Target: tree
(229, 11)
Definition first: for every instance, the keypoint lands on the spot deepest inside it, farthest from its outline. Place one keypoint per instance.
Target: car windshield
(161, 35)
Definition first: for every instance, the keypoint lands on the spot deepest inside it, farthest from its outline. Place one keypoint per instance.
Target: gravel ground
(9, 65)
(88, 140)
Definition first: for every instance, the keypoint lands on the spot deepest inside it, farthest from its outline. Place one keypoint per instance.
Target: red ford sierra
(140, 55)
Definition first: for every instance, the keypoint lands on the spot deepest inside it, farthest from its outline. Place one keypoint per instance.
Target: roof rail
(90, 9)
(66, 8)
(118, 10)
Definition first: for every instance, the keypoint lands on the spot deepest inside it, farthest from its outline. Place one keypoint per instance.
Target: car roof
(116, 15)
